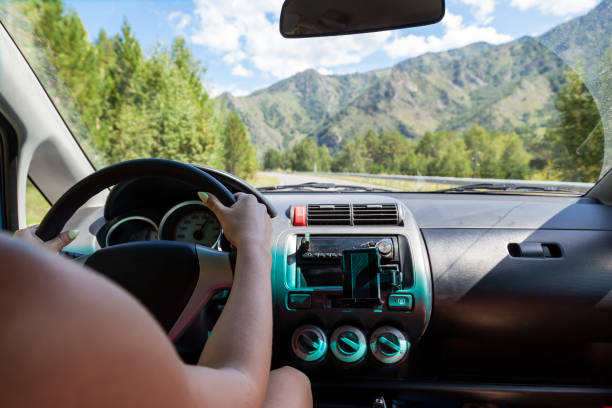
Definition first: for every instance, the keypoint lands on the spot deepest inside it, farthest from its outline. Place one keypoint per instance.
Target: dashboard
(187, 221)
(487, 297)
(181, 217)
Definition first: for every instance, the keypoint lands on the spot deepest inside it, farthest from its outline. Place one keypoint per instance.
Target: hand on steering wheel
(245, 224)
(56, 244)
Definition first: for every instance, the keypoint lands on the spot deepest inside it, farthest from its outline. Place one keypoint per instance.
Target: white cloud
(556, 7)
(239, 29)
(240, 70)
(234, 57)
(483, 9)
(215, 89)
(456, 35)
(179, 20)
(325, 71)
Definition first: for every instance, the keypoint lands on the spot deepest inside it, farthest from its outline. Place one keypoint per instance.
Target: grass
(401, 185)
(36, 205)
(263, 180)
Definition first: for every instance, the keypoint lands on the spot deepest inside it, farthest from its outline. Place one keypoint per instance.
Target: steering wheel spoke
(216, 272)
(173, 280)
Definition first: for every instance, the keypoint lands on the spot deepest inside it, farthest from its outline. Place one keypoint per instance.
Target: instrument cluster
(188, 221)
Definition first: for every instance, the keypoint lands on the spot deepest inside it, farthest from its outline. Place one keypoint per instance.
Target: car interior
(383, 298)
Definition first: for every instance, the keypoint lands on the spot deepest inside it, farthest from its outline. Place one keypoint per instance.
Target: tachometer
(131, 229)
(191, 221)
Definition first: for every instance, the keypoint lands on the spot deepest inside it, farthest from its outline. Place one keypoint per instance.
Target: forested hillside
(509, 111)
(122, 103)
(520, 88)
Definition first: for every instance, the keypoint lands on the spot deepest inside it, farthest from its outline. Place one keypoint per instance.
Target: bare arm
(72, 338)
(242, 337)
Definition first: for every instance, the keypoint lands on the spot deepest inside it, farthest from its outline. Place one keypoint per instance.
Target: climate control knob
(309, 343)
(348, 344)
(389, 345)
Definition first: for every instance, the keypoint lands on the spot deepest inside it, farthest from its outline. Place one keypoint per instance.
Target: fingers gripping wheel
(173, 280)
(109, 176)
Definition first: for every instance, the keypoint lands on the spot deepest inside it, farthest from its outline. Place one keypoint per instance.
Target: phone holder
(361, 277)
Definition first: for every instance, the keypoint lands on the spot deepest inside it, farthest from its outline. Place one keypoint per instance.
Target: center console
(351, 299)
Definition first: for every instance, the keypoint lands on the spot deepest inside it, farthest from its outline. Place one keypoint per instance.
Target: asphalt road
(292, 178)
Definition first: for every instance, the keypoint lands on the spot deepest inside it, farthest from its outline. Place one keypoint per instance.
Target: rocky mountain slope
(506, 87)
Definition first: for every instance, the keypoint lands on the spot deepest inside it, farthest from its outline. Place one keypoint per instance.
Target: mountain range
(507, 87)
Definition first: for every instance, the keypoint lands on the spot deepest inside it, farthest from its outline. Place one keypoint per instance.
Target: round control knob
(389, 345)
(309, 343)
(385, 248)
(348, 344)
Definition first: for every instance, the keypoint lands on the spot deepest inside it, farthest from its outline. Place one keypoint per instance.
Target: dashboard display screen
(320, 275)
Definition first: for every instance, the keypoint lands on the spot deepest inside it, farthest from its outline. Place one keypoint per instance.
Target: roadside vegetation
(130, 103)
(571, 149)
(124, 102)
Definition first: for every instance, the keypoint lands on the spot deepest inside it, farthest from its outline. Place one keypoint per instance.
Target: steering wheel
(174, 280)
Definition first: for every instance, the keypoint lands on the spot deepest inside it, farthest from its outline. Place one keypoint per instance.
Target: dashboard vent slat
(375, 214)
(328, 214)
(355, 214)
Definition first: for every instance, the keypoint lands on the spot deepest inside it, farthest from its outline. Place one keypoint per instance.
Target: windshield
(501, 96)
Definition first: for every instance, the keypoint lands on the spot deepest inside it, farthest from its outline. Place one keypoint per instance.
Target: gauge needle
(199, 234)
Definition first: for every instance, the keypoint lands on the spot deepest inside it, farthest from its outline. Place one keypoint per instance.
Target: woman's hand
(56, 244)
(246, 224)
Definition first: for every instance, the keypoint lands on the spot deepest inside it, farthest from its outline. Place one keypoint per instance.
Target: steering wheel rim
(173, 280)
(81, 192)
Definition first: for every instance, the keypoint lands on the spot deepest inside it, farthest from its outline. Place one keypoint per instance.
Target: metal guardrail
(461, 181)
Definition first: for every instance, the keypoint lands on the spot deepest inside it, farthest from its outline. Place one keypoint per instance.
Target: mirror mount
(319, 18)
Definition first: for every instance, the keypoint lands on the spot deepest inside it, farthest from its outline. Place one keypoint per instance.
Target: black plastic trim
(91, 185)
(544, 395)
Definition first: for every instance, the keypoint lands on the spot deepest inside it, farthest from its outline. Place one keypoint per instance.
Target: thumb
(213, 204)
(58, 243)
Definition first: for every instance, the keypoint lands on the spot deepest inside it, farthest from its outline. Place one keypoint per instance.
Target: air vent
(329, 214)
(356, 214)
(375, 214)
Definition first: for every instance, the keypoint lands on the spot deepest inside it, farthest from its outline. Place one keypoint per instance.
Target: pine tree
(240, 155)
(577, 135)
(272, 159)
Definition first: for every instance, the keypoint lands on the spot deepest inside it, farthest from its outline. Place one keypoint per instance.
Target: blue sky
(239, 44)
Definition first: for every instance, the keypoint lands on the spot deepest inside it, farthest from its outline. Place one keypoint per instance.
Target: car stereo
(348, 301)
(359, 265)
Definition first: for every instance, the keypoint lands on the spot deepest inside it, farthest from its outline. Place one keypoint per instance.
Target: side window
(36, 204)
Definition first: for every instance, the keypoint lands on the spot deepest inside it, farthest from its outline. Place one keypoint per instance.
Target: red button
(299, 216)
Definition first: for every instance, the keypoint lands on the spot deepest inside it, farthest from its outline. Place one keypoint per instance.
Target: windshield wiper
(489, 187)
(314, 186)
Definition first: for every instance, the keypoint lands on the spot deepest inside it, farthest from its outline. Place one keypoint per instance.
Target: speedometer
(191, 221)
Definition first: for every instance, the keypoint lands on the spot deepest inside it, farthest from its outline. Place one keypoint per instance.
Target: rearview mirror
(315, 18)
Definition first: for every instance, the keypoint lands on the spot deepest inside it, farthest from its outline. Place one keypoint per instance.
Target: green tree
(484, 153)
(411, 163)
(392, 149)
(305, 155)
(373, 152)
(161, 117)
(514, 159)
(352, 157)
(65, 41)
(445, 154)
(577, 135)
(323, 159)
(272, 159)
(137, 106)
(240, 155)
